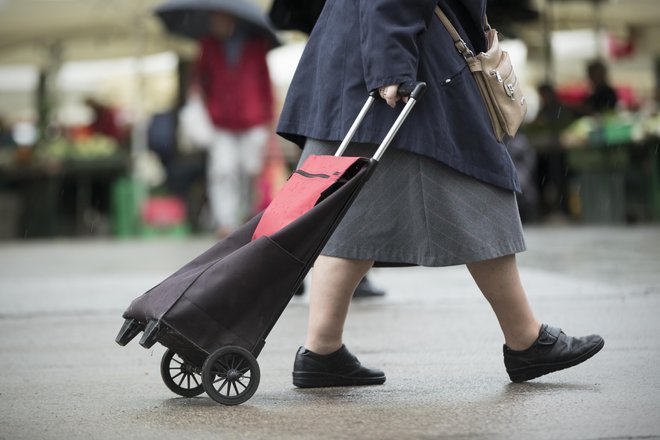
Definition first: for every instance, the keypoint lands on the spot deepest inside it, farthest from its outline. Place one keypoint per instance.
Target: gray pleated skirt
(416, 211)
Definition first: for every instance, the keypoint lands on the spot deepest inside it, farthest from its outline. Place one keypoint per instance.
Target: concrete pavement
(433, 334)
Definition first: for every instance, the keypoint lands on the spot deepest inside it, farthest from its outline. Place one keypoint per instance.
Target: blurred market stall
(84, 83)
(596, 163)
(80, 82)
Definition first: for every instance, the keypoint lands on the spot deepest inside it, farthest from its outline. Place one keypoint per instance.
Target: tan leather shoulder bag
(495, 78)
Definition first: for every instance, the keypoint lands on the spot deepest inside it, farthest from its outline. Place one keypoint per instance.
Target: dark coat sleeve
(389, 33)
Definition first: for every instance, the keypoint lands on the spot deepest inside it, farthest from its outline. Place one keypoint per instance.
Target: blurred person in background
(553, 117)
(6, 138)
(232, 77)
(105, 120)
(185, 168)
(603, 97)
(552, 114)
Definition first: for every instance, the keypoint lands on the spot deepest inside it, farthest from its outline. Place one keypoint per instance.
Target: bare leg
(499, 281)
(333, 282)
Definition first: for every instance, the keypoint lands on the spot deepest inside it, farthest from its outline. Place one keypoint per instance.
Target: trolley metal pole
(356, 124)
(413, 91)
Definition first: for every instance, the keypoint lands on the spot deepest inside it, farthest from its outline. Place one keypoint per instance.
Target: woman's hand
(389, 94)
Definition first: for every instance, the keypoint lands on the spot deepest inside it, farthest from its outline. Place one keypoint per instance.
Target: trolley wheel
(180, 376)
(230, 375)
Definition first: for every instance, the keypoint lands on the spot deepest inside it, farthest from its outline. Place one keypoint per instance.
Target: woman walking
(444, 195)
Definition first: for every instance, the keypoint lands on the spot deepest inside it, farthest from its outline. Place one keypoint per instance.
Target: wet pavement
(63, 376)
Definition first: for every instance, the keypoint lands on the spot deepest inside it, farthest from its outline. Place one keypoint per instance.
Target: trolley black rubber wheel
(180, 376)
(230, 375)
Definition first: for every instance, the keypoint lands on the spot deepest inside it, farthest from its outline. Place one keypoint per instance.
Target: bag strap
(460, 44)
(487, 27)
(458, 41)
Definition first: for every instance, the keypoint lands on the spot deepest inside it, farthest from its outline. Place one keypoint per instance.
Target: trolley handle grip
(412, 89)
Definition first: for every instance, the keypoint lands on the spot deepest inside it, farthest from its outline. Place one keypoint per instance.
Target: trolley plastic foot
(151, 333)
(128, 331)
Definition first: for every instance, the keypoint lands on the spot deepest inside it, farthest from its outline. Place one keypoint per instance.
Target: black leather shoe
(552, 351)
(367, 290)
(364, 290)
(338, 369)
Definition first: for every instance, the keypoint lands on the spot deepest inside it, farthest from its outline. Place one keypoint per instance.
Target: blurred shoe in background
(364, 290)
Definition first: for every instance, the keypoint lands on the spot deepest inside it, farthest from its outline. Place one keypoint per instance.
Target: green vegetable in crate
(58, 148)
(95, 146)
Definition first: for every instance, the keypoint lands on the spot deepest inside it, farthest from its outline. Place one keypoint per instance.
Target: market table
(62, 197)
(614, 183)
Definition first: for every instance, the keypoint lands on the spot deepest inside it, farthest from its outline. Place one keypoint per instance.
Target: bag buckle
(463, 49)
(510, 91)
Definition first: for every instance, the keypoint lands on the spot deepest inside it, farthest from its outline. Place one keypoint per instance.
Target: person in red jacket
(232, 77)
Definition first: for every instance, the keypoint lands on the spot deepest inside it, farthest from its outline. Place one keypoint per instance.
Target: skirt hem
(408, 259)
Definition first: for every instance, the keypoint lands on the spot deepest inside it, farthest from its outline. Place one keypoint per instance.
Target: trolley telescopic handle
(412, 90)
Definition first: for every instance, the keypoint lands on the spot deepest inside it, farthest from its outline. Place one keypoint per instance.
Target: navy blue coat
(360, 45)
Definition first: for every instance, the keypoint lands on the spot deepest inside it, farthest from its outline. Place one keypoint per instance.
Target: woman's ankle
(523, 338)
(321, 347)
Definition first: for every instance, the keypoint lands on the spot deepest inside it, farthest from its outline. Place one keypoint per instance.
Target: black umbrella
(190, 18)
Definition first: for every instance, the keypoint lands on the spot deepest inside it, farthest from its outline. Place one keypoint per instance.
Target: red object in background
(627, 97)
(620, 48)
(573, 95)
(80, 132)
(164, 211)
(302, 191)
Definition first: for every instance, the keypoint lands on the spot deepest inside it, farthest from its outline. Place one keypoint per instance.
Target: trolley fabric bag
(215, 313)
